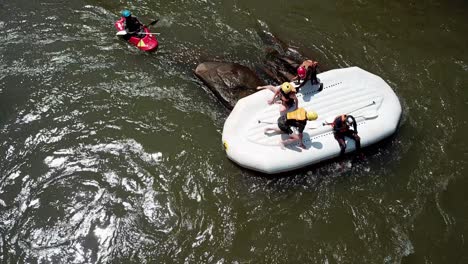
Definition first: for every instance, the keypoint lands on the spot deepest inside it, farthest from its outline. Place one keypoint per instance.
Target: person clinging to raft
(287, 94)
(307, 71)
(295, 120)
(341, 129)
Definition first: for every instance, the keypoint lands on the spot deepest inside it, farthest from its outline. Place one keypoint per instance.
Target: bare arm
(274, 96)
(296, 102)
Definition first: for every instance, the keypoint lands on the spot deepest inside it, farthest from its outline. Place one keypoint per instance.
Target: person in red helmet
(307, 71)
(341, 129)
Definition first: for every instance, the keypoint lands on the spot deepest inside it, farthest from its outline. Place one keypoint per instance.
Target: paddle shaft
(313, 126)
(153, 22)
(367, 115)
(373, 103)
(265, 122)
(148, 33)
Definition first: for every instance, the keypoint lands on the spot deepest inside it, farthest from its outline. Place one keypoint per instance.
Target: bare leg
(269, 87)
(341, 141)
(293, 138)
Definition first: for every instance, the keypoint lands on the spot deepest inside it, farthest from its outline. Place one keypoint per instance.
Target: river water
(111, 155)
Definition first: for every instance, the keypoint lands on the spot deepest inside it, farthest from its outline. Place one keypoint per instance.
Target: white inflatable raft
(345, 91)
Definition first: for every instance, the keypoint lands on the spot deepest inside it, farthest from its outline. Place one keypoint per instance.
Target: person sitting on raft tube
(287, 94)
(307, 71)
(132, 25)
(341, 129)
(296, 119)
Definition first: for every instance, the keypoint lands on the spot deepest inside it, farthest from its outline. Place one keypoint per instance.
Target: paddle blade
(121, 33)
(153, 23)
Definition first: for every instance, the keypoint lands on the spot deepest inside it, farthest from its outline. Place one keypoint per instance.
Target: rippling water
(112, 155)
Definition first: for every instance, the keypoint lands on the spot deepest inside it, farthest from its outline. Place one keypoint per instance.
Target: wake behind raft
(345, 91)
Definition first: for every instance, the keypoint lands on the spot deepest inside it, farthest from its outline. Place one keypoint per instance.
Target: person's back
(131, 23)
(309, 64)
(297, 118)
(288, 97)
(307, 71)
(339, 124)
(342, 123)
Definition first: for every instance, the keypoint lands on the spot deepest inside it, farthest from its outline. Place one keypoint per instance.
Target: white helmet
(349, 120)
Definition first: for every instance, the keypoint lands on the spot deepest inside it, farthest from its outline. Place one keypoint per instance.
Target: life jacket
(339, 124)
(299, 115)
(133, 24)
(310, 63)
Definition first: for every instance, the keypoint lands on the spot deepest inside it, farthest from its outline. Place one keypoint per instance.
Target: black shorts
(283, 126)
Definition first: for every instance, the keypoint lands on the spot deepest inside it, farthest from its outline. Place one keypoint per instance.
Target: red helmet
(301, 72)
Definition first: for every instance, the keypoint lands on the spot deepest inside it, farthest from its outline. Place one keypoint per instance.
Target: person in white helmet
(341, 129)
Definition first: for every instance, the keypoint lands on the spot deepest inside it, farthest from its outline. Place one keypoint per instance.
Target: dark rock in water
(228, 81)
(232, 81)
(280, 61)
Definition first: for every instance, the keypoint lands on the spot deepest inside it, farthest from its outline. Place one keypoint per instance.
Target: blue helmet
(126, 13)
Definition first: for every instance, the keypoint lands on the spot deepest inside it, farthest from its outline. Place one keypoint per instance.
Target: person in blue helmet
(132, 25)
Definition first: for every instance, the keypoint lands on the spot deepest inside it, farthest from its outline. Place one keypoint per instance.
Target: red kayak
(147, 43)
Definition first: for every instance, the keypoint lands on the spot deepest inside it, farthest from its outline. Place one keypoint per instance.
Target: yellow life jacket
(299, 115)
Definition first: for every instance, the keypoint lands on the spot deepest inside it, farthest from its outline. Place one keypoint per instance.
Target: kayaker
(341, 129)
(295, 120)
(286, 92)
(132, 25)
(307, 71)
